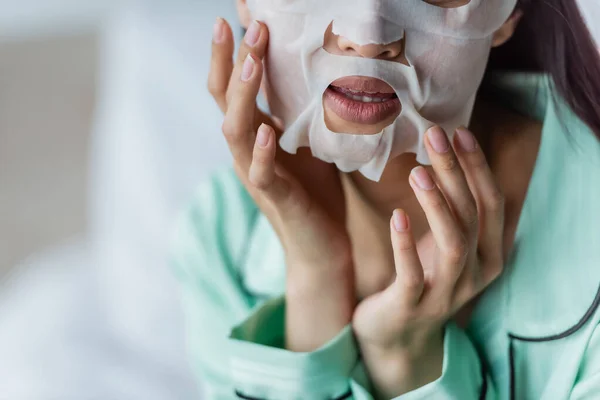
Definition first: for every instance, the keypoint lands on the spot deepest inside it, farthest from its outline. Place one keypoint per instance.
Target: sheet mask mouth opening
(363, 96)
(360, 105)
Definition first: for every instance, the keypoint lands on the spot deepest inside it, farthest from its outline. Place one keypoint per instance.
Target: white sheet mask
(447, 51)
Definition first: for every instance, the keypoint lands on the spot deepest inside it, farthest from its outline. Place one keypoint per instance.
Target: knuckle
(231, 128)
(457, 252)
(413, 281)
(471, 215)
(448, 163)
(226, 127)
(435, 201)
(478, 160)
(259, 181)
(215, 89)
(497, 200)
(261, 159)
(405, 243)
(259, 176)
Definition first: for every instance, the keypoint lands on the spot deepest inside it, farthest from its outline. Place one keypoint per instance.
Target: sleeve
(587, 384)
(209, 242)
(236, 343)
(209, 245)
(464, 376)
(264, 370)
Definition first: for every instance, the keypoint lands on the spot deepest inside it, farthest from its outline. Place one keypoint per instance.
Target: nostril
(351, 51)
(389, 54)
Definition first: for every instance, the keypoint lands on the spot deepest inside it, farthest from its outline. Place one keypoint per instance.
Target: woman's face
(377, 64)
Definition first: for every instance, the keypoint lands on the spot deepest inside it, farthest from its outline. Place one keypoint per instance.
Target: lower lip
(360, 112)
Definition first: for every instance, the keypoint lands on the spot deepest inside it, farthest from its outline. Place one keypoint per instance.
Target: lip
(385, 106)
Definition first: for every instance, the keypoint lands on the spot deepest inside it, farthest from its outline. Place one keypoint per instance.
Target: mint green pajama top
(534, 334)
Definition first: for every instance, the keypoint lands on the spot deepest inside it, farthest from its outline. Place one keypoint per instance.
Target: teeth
(366, 99)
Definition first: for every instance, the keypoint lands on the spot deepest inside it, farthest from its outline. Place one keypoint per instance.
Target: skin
(397, 259)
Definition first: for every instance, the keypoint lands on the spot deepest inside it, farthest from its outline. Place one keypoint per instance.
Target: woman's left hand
(401, 329)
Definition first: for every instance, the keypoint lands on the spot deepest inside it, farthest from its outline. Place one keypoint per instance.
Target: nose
(340, 45)
(389, 51)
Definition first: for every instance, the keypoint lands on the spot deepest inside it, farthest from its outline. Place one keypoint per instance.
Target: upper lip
(364, 85)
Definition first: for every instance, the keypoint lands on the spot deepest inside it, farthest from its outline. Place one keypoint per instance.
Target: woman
(488, 290)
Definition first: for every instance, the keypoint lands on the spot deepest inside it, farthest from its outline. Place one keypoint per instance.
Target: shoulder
(216, 225)
(556, 256)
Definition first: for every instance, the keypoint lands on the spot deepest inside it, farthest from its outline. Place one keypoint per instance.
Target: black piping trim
(484, 385)
(242, 396)
(586, 317)
(590, 312)
(345, 396)
(511, 358)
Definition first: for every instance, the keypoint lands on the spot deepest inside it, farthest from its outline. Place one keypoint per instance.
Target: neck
(393, 190)
(510, 142)
(370, 206)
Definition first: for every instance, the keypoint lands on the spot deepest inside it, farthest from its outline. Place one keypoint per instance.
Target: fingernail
(218, 31)
(466, 139)
(252, 34)
(248, 68)
(400, 221)
(438, 139)
(422, 178)
(263, 136)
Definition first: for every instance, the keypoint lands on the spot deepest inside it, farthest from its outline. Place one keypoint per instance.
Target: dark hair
(553, 38)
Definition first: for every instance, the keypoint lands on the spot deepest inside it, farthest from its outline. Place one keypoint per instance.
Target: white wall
(24, 18)
(591, 11)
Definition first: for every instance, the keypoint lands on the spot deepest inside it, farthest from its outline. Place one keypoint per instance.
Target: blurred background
(105, 130)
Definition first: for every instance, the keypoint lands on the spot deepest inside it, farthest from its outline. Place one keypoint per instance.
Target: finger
(221, 62)
(263, 175)
(488, 196)
(451, 180)
(255, 43)
(448, 236)
(410, 279)
(238, 126)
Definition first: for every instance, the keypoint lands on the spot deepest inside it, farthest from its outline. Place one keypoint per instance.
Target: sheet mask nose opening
(368, 31)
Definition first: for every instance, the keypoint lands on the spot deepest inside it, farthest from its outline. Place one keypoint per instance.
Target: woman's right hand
(301, 196)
